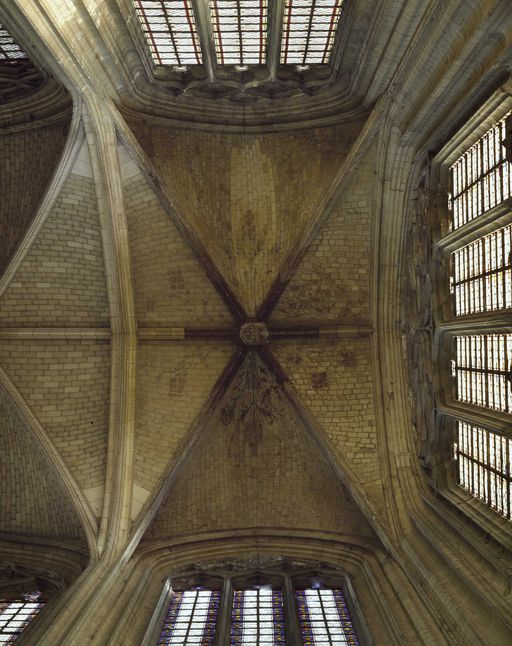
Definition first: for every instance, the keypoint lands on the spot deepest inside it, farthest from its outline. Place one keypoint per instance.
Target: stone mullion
(276, 10)
(205, 32)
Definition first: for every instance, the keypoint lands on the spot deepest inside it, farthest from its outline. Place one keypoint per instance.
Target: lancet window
(260, 608)
(239, 32)
(474, 339)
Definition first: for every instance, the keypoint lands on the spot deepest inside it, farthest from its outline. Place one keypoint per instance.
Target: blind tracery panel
(324, 618)
(169, 28)
(257, 617)
(482, 274)
(309, 28)
(483, 370)
(240, 31)
(483, 459)
(481, 177)
(15, 617)
(191, 618)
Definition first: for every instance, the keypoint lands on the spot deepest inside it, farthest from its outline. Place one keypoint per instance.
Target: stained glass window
(484, 460)
(309, 28)
(483, 370)
(324, 618)
(9, 48)
(257, 617)
(15, 617)
(169, 28)
(481, 177)
(240, 31)
(482, 274)
(191, 618)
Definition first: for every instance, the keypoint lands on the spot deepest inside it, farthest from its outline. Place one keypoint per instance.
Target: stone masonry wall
(29, 159)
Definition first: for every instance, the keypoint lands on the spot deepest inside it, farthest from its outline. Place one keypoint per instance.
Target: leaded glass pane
(482, 274)
(257, 617)
(191, 618)
(309, 28)
(484, 466)
(169, 28)
(9, 48)
(324, 618)
(240, 31)
(15, 617)
(482, 368)
(481, 177)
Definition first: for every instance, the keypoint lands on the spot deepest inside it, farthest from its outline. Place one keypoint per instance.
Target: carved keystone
(254, 334)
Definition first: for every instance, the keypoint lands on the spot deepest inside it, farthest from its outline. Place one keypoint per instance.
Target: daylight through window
(15, 617)
(169, 28)
(309, 28)
(481, 177)
(482, 369)
(483, 461)
(191, 618)
(482, 274)
(240, 31)
(257, 617)
(9, 48)
(324, 618)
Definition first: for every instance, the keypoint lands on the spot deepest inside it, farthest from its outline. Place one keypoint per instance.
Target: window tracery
(240, 30)
(268, 606)
(475, 263)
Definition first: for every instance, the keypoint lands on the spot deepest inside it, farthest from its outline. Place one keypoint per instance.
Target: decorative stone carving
(254, 334)
(419, 326)
(255, 400)
(18, 80)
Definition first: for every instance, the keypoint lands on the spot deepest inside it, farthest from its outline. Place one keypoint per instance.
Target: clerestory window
(239, 32)
(473, 316)
(9, 48)
(16, 615)
(258, 609)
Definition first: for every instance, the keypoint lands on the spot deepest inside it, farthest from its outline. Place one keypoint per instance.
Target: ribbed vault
(201, 314)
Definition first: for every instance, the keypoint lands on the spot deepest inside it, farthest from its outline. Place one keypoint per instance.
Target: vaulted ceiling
(200, 300)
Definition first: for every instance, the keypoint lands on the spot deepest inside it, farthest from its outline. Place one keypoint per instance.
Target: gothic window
(15, 615)
(324, 617)
(483, 367)
(481, 177)
(169, 28)
(473, 322)
(257, 616)
(9, 48)
(263, 608)
(482, 274)
(484, 459)
(309, 27)
(191, 617)
(238, 32)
